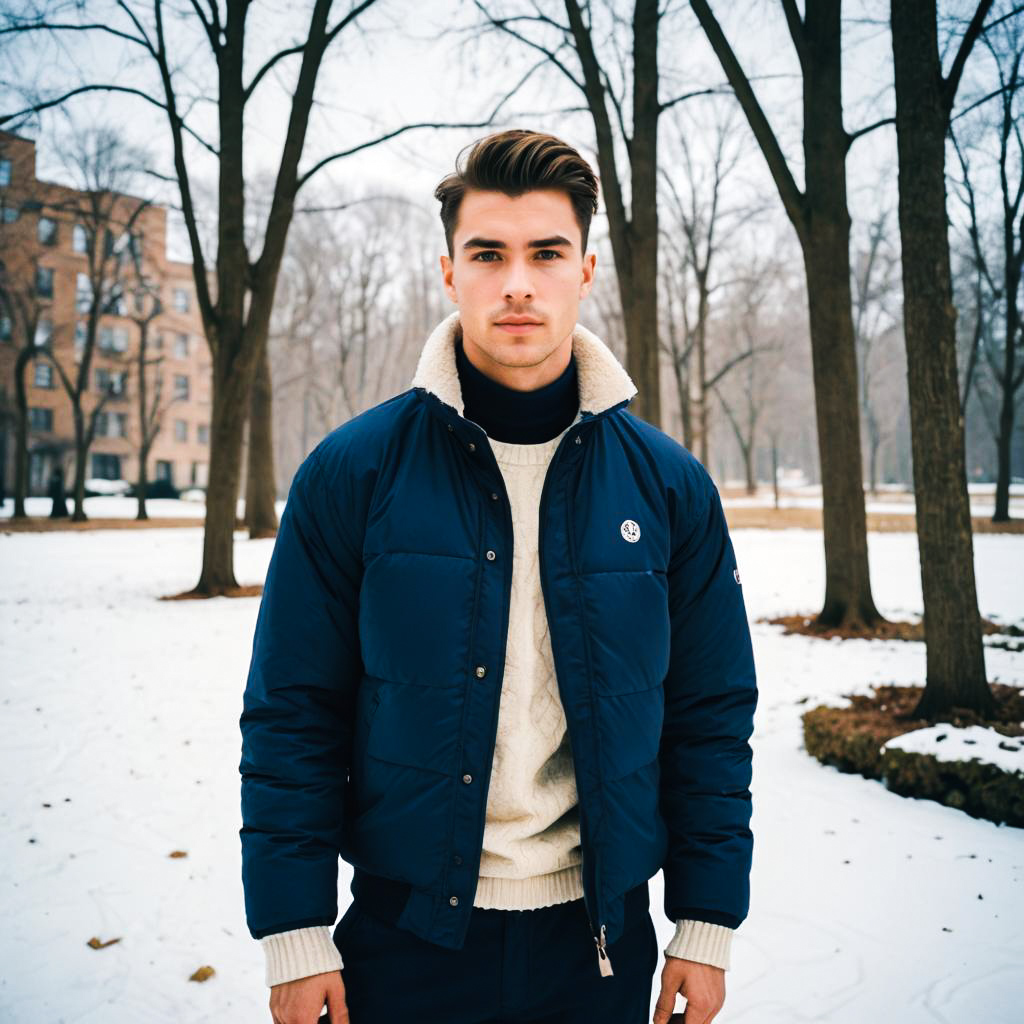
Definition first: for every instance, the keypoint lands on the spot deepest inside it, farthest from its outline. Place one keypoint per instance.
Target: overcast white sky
(404, 62)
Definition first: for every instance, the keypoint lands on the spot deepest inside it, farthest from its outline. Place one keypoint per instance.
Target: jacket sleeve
(296, 719)
(710, 698)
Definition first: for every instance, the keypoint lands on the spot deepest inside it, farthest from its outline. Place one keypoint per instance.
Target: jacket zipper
(604, 962)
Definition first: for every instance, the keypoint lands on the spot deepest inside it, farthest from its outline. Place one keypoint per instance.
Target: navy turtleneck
(519, 417)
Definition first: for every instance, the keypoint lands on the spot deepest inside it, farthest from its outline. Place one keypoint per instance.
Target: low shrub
(851, 739)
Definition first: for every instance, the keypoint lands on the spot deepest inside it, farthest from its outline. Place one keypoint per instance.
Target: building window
(47, 231)
(5, 328)
(106, 467)
(44, 333)
(110, 382)
(113, 339)
(44, 282)
(179, 300)
(180, 430)
(111, 424)
(83, 293)
(164, 470)
(43, 374)
(5, 172)
(181, 346)
(40, 419)
(203, 433)
(8, 214)
(180, 386)
(79, 239)
(158, 340)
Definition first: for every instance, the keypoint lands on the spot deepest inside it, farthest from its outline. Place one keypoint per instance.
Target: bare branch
(503, 23)
(793, 199)
(347, 20)
(951, 82)
(796, 30)
(853, 136)
(280, 55)
(50, 26)
(57, 100)
(208, 28)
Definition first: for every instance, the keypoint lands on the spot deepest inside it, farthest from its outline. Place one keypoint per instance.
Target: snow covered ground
(120, 745)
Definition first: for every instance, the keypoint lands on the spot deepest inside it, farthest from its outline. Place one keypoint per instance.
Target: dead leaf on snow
(202, 974)
(96, 944)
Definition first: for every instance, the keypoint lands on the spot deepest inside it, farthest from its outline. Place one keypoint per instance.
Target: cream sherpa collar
(603, 382)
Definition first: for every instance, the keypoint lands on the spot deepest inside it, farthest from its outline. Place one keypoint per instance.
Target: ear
(587, 274)
(448, 278)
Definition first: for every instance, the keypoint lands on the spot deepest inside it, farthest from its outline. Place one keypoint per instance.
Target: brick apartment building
(44, 253)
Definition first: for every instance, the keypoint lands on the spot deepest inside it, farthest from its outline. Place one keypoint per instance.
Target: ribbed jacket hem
(702, 941)
(529, 893)
(300, 952)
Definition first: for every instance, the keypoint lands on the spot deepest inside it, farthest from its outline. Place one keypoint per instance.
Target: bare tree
(924, 104)
(104, 167)
(353, 311)
(236, 310)
(697, 217)
(821, 219)
(152, 405)
(25, 310)
(876, 313)
(998, 294)
(632, 226)
(754, 350)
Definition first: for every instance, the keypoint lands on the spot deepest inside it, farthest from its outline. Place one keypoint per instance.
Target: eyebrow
(494, 243)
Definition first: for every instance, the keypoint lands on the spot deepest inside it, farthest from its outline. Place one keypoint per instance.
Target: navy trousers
(538, 966)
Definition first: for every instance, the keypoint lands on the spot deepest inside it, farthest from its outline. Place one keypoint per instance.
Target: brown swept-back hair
(514, 162)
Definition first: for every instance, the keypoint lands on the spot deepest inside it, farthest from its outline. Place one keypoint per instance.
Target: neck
(508, 414)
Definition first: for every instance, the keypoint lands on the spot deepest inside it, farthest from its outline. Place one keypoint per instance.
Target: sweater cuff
(299, 953)
(703, 941)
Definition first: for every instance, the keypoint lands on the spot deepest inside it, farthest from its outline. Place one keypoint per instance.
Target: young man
(502, 666)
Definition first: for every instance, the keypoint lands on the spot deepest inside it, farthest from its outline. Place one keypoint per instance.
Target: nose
(517, 284)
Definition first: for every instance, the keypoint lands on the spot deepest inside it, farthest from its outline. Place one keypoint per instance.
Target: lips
(516, 322)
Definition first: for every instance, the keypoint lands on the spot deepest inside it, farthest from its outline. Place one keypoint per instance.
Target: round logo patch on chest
(630, 530)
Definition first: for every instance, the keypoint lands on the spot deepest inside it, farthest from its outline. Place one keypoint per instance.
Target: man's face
(518, 259)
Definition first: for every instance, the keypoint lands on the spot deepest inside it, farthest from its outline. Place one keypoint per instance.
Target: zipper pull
(603, 960)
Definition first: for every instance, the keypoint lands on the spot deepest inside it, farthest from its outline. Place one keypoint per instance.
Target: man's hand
(702, 984)
(300, 1001)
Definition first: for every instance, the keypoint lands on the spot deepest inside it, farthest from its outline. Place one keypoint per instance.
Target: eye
(553, 252)
(486, 252)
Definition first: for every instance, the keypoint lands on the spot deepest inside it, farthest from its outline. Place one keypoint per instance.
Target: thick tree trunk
(260, 486)
(633, 233)
(826, 247)
(953, 638)
(822, 221)
(143, 483)
(81, 460)
(21, 434)
(848, 599)
(642, 345)
(231, 387)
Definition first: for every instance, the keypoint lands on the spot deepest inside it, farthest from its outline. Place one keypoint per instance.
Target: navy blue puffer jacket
(371, 704)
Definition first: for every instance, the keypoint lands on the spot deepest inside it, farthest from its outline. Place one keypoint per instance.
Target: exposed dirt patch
(890, 630)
